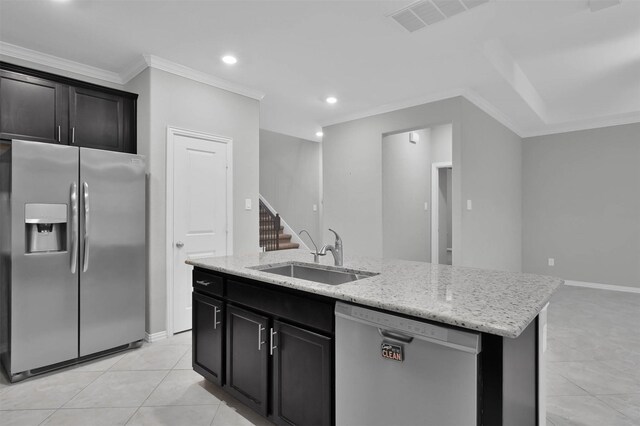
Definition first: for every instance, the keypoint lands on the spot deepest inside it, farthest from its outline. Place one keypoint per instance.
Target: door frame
(171, 133)
(435, 184)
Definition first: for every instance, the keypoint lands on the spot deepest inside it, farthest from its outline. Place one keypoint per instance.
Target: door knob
(179, 244)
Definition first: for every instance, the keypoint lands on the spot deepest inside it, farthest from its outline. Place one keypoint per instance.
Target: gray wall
(492, 180)
(582, 205)
(352, 171)
(487, 167)
(170, 100)
(406, 186)
(290, 180)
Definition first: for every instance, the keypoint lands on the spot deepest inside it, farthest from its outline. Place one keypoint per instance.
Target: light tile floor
(593, 358)
(152, 385)
(593, 373)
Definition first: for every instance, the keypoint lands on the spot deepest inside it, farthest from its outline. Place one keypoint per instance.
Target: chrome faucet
(335, 249)
(316, 254)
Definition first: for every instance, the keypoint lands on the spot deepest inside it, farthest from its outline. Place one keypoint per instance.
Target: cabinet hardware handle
(203, 282)
(73, 135)
(58, 133)
(271, 346)
(215, 318)
(260, 342)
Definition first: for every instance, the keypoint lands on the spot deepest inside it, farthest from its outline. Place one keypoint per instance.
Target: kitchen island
(238, 308)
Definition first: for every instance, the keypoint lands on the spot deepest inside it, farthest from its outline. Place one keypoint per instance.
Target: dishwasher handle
(393, 335)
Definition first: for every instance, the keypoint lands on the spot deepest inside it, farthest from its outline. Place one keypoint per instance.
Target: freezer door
(112, 250)
(44, 285)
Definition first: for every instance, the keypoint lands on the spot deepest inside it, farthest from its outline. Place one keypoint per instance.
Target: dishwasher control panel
(398, 323)
(415, 328)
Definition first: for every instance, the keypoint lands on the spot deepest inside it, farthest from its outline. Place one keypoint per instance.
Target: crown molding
(587, 124)
(199, 76)
(135, 68)
(495, 113)
(40, 58)
(468, 94)
(394, 106)
(144, 61)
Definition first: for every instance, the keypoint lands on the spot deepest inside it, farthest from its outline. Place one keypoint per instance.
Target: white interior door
(200, 213)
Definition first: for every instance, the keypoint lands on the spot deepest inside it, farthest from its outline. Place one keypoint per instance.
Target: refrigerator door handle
(85, 194)
(74, 227)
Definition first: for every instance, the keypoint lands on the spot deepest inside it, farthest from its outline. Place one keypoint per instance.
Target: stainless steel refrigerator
(72, 254)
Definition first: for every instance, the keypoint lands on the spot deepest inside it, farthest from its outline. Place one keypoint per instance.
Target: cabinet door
(32, 108)
(96, 119)
(208, 330)
(247, 357)
(302, 381)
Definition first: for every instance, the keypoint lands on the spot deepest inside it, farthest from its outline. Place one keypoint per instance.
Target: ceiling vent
(428, 12)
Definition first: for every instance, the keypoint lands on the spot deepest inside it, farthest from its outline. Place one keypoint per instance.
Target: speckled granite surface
(496, 302)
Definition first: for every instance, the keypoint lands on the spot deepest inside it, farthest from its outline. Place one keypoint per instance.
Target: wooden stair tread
(287, 246)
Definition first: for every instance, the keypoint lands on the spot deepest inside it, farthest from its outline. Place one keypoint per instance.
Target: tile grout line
(145, 400)
(76, 394)
(611, 406)
(213, 419)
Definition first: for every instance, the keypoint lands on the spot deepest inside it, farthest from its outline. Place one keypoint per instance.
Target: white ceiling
(537, 66)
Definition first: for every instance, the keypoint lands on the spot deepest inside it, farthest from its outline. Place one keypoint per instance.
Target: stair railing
(269, 229)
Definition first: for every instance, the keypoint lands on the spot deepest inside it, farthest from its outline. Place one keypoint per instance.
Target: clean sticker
(392, 352)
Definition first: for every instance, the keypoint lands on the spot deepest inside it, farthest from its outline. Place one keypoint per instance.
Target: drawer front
(299, 308)
(208, 283)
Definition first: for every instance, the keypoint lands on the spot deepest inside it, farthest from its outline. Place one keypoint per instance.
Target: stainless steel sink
(316, 273)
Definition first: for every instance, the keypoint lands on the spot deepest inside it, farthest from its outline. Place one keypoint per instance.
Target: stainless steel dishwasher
(396, 371)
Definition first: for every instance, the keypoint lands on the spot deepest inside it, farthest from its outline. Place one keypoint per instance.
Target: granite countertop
(495, 302)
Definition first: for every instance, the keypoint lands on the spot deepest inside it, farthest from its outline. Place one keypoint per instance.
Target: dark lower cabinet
(208, 337)
(32, 108)
(248, 357)
(301, 376)
(277, 344)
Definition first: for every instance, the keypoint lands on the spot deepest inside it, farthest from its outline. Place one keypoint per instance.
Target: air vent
(408, 20)
(450, 7)
(428, 12)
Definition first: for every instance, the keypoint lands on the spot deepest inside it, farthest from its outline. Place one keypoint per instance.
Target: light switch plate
(469, 205)
(552, 261)
(426, 206)
(247, 203)
(315, 207)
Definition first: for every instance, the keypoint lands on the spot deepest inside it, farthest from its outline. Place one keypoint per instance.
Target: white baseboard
(151, 338)
(622, 288)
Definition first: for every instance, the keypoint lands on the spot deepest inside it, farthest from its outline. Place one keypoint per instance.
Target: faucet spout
(335, 249)
(315, 253)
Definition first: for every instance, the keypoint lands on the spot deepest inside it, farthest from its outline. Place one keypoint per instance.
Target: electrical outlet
(469, 205)
(315, 207)
(426, 206)
(552, 261)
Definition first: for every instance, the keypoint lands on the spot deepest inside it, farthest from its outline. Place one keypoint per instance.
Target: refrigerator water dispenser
(46, 227)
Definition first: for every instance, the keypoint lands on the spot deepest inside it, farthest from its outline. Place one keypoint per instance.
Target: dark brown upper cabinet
(32, 108)
(44, 107)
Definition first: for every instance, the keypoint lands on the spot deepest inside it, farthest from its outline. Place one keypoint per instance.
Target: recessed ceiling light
(229, 59)
(319, 134)
(331, 100)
